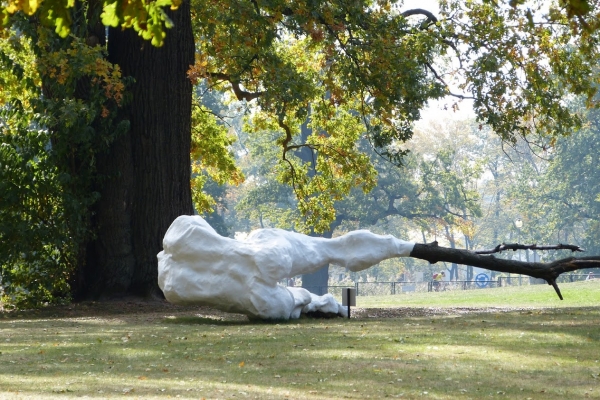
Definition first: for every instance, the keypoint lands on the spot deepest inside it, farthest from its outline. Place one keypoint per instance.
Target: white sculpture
(199, 266)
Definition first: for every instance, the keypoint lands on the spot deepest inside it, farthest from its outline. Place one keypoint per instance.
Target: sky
(429, 5)
(440, 108)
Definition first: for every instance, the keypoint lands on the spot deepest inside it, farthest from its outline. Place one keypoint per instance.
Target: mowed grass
(578, 294)
(545, 352)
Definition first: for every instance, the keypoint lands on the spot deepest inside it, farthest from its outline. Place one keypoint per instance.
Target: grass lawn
(448, 345)
(578, 294)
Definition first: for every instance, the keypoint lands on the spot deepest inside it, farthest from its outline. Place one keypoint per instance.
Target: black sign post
(348, 298)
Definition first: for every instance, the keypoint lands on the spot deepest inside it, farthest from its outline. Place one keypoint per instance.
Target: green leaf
(109, 15)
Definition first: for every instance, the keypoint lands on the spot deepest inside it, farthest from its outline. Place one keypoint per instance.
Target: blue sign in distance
(482, 280)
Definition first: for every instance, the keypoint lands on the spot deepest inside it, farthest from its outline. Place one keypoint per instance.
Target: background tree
(558, 199)
(425, 189)
(58, 101)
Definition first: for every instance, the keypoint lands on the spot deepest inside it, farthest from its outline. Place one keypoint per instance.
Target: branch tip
(555, 286)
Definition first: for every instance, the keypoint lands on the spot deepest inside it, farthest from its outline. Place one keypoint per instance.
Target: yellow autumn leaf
(30, 6)
(13, 7)
(241, 364)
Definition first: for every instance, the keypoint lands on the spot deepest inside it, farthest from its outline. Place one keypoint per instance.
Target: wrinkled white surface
(199, 266)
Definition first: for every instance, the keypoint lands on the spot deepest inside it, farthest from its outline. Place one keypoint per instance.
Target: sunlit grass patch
(577, 294)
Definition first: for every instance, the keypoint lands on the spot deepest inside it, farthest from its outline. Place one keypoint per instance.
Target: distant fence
(521, 280)
(461, 285)
(373, 288)
(394, 288)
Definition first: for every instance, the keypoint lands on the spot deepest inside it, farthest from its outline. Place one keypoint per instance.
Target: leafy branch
(240, 93)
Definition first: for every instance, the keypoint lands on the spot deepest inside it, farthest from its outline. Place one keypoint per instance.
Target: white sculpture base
(199, 266)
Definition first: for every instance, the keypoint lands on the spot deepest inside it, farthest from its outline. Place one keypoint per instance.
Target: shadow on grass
(190, 354)
(215, 320)
(205, 321)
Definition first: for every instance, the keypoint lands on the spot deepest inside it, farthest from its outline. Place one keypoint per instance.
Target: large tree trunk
(318, 281)
(148, 168)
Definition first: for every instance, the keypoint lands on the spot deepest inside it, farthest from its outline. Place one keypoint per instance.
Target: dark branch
(420, 11)
(240, 94)
(288, 132)
(548, 271)
(439, 78)
(516, 246)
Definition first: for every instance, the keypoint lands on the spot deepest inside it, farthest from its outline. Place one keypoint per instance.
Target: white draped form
(199, 266)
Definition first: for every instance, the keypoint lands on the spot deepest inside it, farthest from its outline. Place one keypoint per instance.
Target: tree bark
(454, 266)
(548, 271)
(148, 169)
(318, 281)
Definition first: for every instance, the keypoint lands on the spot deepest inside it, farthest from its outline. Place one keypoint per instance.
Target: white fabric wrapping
(199, 266)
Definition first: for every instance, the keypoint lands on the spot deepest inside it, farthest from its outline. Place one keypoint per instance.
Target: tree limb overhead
(420, 11)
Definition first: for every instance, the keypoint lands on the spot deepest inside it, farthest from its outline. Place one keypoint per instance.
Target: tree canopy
(355, 75)
(367, 69)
